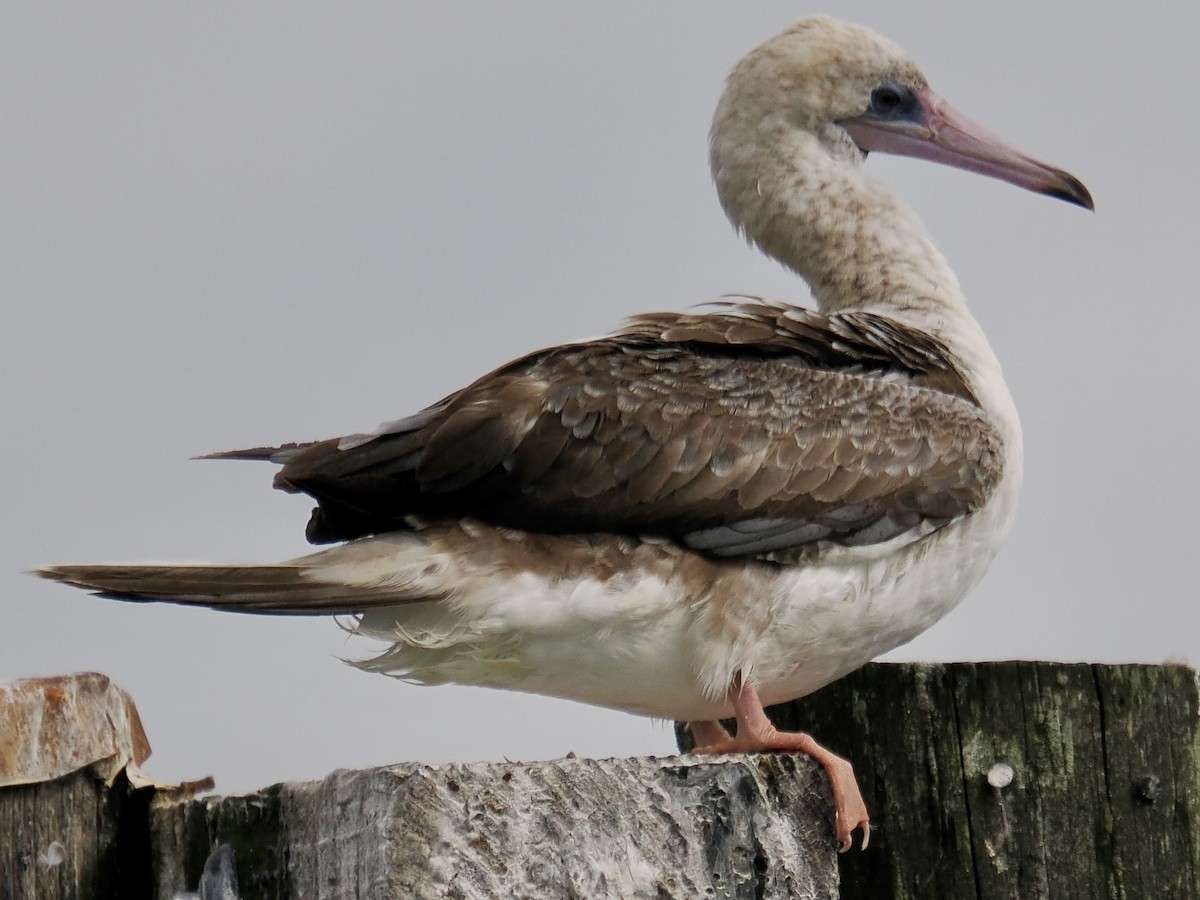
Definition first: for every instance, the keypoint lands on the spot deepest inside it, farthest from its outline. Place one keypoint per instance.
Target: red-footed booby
(702, 512)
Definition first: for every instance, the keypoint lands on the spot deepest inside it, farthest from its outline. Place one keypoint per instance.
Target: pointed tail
(293, 588)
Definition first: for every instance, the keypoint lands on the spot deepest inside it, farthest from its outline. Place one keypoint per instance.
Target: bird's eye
(892, 100)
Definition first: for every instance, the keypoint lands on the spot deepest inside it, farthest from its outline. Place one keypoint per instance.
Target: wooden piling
(1018, 780)
(986, 781)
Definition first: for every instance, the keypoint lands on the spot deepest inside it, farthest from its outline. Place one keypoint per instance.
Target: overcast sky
(230, 224)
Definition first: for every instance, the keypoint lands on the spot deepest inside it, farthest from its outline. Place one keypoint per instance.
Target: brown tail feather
(283, 589)
(278, 455)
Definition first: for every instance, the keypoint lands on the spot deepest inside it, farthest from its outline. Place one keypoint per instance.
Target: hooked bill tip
(1072, 190)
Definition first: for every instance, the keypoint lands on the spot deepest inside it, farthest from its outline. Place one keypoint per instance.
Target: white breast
(663, 633)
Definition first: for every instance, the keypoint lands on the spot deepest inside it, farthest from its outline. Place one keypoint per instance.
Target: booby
(702, 512)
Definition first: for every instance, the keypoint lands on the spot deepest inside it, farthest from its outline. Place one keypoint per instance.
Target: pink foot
(756, 734)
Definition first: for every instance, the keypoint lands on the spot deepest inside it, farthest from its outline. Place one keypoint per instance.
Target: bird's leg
(708, 734)
(755, 733)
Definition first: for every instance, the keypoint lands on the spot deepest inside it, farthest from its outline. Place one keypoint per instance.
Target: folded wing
(744, 432)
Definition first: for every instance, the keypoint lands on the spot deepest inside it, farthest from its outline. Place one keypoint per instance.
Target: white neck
(857, 246)
(854, 243)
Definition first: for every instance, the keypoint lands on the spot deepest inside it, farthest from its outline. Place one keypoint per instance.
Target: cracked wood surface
(727, 827)
(1104, 799)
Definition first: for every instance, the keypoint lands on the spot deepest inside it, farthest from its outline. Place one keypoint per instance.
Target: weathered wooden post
(992, 781)
(667, 828)
(1018, 780)
(73, 826)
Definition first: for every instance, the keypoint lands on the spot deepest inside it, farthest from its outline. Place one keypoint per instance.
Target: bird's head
(853, 92)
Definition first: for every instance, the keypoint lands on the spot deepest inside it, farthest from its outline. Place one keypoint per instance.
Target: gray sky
(228, 224)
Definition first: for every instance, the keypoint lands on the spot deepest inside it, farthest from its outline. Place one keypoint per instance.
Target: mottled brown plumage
(845, 428)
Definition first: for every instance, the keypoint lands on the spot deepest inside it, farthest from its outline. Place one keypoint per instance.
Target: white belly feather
(651, 629)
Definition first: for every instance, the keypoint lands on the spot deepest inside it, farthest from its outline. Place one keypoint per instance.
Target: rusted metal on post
(50, 727)
(72, 825)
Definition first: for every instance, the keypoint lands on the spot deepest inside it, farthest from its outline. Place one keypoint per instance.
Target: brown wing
(741, 432)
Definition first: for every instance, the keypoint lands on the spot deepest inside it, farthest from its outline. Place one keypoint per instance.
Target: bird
(702, 512)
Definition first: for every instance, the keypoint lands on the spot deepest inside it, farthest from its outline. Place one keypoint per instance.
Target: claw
(756, 734)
